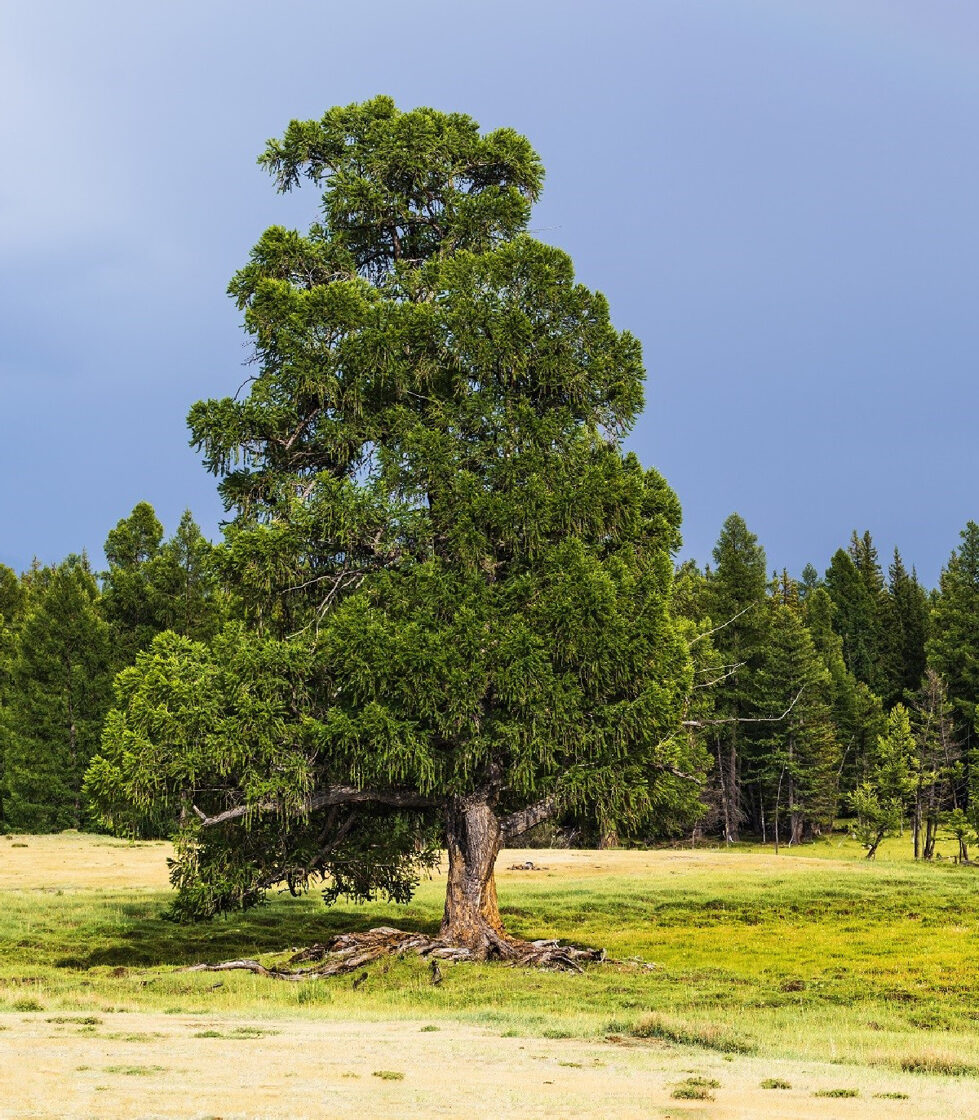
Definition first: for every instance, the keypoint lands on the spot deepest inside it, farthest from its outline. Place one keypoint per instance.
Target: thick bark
(471, 926)
(797, 821)
(474, 837)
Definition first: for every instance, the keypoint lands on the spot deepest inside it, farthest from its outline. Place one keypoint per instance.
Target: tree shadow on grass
(144, 938)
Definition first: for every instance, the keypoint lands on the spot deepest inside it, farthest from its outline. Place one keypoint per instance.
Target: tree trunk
(472, 916)
(797, 820)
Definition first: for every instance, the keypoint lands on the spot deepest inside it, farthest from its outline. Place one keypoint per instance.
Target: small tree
(456, 586)
(961, 827)
(881, 801)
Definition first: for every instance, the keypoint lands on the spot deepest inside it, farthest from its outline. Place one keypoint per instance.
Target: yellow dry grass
(147, 1066)
(73, 861)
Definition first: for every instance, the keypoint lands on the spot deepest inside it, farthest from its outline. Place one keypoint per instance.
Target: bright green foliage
(939, 770)
(11, 594)
(810, 581)
(883, 625)
(883, 799)
(454, 582)
(961, 826)
(59, 691)
(185, 580)
(128, 602)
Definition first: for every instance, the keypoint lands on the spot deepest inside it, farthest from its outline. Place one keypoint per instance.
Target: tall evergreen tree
(154, 585)
(905, 633)
(938, 766)
(130, 603)
(856, 612)
(858, 714)
(882, 800)
(59, 692)
(737, 607)
(809, 582)
(456, 587)
(953, 645)
(11, 605)
(185, 581)
(793, 757)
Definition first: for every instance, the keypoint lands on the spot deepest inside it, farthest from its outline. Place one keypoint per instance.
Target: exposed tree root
(349, 951)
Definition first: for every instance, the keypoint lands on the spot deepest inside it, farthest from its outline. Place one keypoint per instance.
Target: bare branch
(524, 819)
(707, 633)
(723, 677)
(696, 779)
(333, 795)
(744, 719)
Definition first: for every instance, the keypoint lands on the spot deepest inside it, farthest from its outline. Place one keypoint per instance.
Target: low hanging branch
(525, 819)
(332, 795)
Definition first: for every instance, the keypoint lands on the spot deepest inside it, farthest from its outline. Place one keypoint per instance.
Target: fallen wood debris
(350, 951)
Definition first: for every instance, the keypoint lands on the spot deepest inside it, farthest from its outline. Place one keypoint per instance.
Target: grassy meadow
(739, 960)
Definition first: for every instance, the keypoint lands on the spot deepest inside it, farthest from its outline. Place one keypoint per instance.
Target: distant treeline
(65, 632)
(854, 692)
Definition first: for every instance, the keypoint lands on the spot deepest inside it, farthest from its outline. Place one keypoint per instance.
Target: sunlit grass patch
(736, 952)
(948, 1065)
(711, 1036)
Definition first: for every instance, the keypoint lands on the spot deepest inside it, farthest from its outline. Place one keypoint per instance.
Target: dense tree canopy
(456, 587)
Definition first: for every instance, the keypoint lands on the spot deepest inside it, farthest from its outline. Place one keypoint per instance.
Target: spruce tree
(455, 587)
(737, 599)
(938, 768)
(882, 800)
(130, 603)
(186, 583)
(905, 632)
(60, 675)
(154, 584)
(953, 650)
(11, 605)
(851, 587)
(953, 645)
(858, 714)
(794, 755)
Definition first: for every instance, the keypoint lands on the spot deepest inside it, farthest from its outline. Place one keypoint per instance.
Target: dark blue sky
(778, 197)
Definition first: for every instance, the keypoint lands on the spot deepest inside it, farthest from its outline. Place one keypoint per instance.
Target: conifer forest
(847, 691)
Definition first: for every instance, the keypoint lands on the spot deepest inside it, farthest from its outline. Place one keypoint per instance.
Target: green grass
(695, 1089)
(828, 958)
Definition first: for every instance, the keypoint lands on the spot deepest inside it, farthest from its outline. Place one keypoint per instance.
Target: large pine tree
(456, 586)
